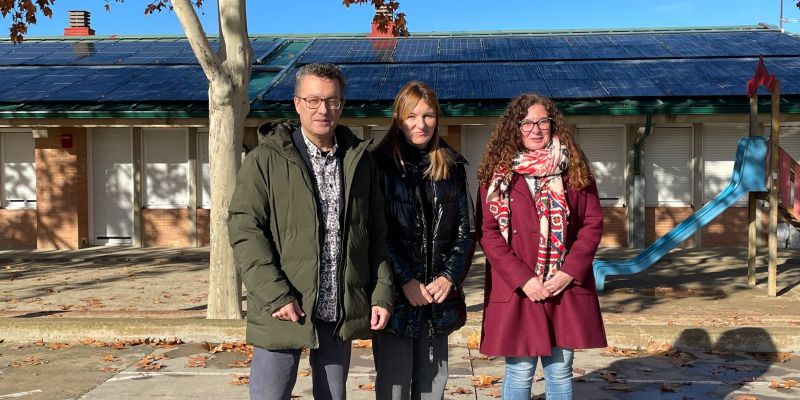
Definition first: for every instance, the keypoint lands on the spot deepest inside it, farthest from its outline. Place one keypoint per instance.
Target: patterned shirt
(326, 167)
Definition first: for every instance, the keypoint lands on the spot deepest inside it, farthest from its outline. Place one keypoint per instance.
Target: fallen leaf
(39, 342)
(58, 346)
(780, 357)
(745, 397)
(609, 376)
(26, 361)
(619, 388)
(240, 380)
(197, 361)
(304, 372)
(473, 340)
(110, 358)
(658, 348)
(782, 385)
(578, 371)
(362, 344)
(108, 369)
(240, 364)
(367, 386)
(617, 352)
(206, 346)
(484, 380)
(459, 390)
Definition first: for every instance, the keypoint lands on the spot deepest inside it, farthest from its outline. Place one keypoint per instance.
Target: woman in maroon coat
(540, 226)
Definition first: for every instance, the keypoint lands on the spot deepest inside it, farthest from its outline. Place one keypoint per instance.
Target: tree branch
(210, 62)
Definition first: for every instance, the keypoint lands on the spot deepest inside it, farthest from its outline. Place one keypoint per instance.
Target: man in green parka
(308, 233)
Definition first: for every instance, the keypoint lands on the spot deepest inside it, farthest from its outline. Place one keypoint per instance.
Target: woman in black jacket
(431, 242)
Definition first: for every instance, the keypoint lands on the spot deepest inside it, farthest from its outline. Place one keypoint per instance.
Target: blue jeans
(557, 376)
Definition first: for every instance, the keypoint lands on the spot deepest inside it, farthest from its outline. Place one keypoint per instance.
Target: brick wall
(729, 229)
(615, 221)
(17, 229)
(61, 191)
(166, 228)
(203, 227)
(660, 220)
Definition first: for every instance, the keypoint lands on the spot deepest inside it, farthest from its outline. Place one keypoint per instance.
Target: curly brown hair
(506, 142)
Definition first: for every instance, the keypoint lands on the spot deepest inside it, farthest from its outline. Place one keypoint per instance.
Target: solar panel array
(112, 52)
(559, 66)
(560, 79)
(110, 71)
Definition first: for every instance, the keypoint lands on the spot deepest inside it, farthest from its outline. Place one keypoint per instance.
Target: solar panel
(508, 80)
(461, 49)
(14, 77)
(398, 75)
(412, 50)
(551, 48)
(563, 70)
(576, 88)
(505, 48)
(596, 46)
(153, 84)
(633, 87)
(283, 89)
(372, 50)
(327, 51)
(364, 81)
(689, 45)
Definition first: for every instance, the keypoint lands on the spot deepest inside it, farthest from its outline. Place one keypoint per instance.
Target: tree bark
(228, 74)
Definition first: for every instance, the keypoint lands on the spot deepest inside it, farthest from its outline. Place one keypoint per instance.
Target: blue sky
(329, 16)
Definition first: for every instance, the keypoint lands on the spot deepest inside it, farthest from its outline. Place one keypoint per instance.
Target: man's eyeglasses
(313, 102)
(527, 125)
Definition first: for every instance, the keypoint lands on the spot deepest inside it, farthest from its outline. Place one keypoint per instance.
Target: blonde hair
(506, 142)
(404, 103)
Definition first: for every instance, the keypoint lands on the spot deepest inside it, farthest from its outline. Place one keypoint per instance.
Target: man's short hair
(327, 71)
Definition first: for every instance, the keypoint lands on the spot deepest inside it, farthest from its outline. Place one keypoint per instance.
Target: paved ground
(696, 301)
(191, 371)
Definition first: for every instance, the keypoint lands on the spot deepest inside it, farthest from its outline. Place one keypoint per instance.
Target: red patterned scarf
(546, 166)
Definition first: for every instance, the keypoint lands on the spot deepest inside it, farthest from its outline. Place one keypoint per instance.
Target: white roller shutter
(205, 168)
(166, 168)
(668, 167)
(112, 186)
(790, 138)
(719, 155)
(474, 139)
(605, 149)
(19, 168)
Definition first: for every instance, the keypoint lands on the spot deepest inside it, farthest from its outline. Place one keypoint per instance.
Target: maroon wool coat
(513, 325)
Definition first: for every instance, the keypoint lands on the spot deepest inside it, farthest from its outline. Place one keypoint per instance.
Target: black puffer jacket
(447, 252)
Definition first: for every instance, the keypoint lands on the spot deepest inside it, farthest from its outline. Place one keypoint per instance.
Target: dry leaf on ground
(58, 346)
(484, 380)
(609, 376)
(26, 362)
(304, 372)
(670, 387)
(197, 361)
(781, 385)
(473, 340)
(745, 397)
(367, 386)
(658, 348)
(459, 390)
(240, 364)
(362, 344)
(617, 352)
(240, 380)
(110, 358)
(496, 393)
(108, 369)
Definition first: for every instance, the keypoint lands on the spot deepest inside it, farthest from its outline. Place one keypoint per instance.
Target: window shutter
(167, 168)
(605, 149)
(668, 167)
(474, 141)
(19, 168)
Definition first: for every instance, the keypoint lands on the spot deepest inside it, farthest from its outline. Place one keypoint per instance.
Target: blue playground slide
(749, 175)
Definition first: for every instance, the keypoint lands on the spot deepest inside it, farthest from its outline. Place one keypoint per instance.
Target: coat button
(512, 199)
(515, 231)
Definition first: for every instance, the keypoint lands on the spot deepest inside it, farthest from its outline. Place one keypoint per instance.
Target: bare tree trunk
(226, 129)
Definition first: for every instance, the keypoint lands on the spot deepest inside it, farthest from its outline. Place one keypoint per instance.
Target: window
(18, 174)
(605, 149)
(166, 169)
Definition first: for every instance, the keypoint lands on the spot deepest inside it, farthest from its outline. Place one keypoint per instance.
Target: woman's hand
(416, 293)
(534, 289)
(439, 289)
(558, 283)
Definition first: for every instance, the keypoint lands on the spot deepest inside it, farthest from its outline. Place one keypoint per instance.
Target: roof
(694, 70)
